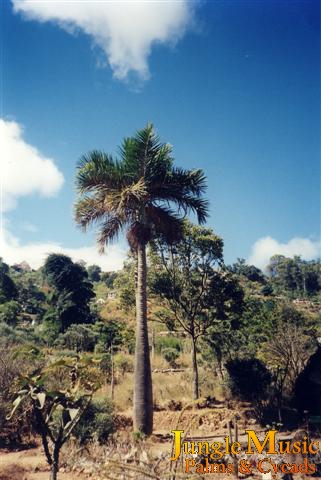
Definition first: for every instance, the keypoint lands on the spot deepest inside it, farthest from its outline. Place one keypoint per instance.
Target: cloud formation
(23, 169)
(125, 30)
(264, 248)
(12, 251)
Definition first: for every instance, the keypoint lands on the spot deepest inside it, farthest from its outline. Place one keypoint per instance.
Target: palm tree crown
(137, 192)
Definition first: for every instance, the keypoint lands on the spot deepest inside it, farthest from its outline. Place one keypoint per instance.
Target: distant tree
(289, 350)
(249, 378)
(295, 276)
(51, 327)
(251, 272)
(241, 336)
(196, 293)
(94, 273)
(9, 312)
(30, 297)
(81, 338)
(8, 289)
(110, 334)
(72, 290)
(108, 278)
(124, 284)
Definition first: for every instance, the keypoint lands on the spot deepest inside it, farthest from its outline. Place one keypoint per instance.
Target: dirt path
(29, 465)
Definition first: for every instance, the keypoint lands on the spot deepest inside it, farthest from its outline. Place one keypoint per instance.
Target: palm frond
(98, 169)
(109, 231)
(165, 223)
(190, 203)
(140, 153)
(89, 210)
(183, 188)
(180, 181)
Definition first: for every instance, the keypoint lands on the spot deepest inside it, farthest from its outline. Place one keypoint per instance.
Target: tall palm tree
(143, 194)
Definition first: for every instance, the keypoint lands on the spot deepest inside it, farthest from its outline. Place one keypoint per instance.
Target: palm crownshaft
(144, 195)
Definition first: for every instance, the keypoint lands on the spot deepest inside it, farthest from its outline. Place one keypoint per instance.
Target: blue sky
(234, 86)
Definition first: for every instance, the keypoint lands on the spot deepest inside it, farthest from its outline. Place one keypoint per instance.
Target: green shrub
(9, 312)
(170, 355)
(168, 342)
(105, 364)
(123, 363)
(97, 423)
(80, 338)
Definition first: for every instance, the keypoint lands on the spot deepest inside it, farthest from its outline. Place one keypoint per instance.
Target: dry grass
(166, 386)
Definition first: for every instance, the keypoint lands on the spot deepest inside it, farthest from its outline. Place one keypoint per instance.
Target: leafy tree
(195, 292)
(143, 194)
(94, 273)
(249, 378)
(72, 290)
(108, 278)
(80, 338)
(295, 276)
(50, 327)
(111, 334)
(291, 342)
(9, 312)
(30, 297)
(125, 284)
(8, 289)
(251, 272)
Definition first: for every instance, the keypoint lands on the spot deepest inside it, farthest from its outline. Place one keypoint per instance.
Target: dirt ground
(29, 465)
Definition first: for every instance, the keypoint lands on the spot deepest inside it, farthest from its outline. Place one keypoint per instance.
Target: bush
(80, 338)
(171, 342)
(170, 355)
(105, 365)
(249, 378)
(124, 363)
(97, 423)
(9, 312)
(12, 431)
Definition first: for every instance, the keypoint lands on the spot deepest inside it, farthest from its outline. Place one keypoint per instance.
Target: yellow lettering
(235, 448)
(216, 450)
(270, 437)
(200, 447)
(177, 443)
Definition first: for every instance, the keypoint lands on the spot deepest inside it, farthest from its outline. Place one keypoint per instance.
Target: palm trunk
(143, 393)
(195, 371)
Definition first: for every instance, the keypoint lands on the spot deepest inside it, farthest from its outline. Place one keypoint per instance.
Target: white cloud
(125, 30)
(23, 169)
(264, 248)
(12, 251)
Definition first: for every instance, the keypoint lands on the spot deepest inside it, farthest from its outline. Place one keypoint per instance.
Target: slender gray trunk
(143, 393)
(112, 382)
(195, 371)
(54, 472)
